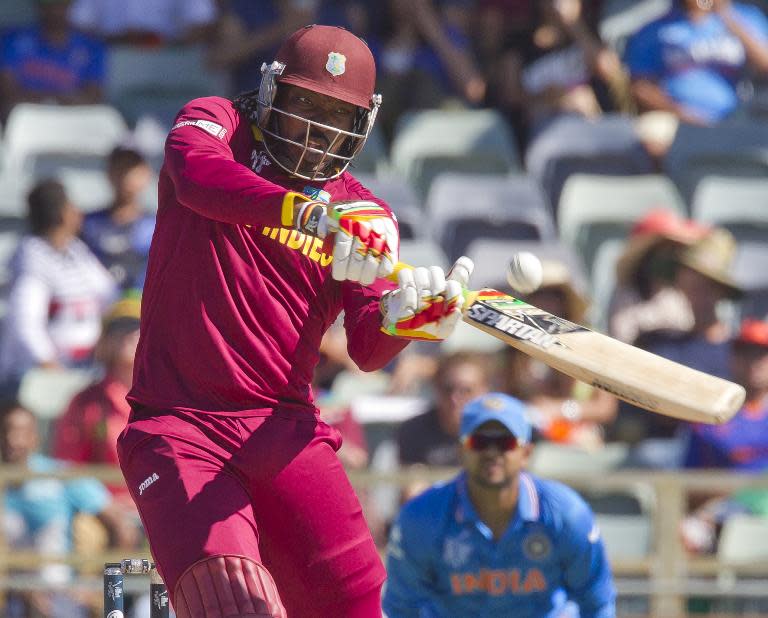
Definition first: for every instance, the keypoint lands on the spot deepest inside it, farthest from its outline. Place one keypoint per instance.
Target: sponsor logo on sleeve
(147, 482)
(206, 125)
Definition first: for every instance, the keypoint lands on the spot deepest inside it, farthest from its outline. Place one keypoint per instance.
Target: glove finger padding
(426, 305)
(366, 242)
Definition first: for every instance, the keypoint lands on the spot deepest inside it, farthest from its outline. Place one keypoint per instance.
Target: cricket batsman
(496, 540)
(262, 239)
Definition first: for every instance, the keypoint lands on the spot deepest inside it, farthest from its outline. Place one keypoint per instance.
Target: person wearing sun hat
(644, 299)
(88, 430)
(703, 277)
(496, 540)
(564, 410)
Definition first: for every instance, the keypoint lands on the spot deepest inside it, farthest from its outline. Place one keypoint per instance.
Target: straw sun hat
(658, 226)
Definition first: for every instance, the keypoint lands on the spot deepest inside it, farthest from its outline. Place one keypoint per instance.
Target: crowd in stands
(567, 92)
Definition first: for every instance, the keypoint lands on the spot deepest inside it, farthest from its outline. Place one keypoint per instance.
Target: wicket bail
(114, 600)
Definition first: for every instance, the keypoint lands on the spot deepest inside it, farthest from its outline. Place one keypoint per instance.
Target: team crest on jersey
(259, 160)
(457, 549)
(337, 64)
(537, 546)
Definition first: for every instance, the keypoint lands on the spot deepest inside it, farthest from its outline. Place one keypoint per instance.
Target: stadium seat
(396, 191)
(17, 13)
(373, 157)
(625, 536)
(491, 257)
(619, 19)
(11, 231)
(158, 82)
(569, 145)
(33, 131)
(743, 541)
(47, 392)
(750, 270)
(427, 142)
(593, 209)
(561, 460)
(465, 207)
(13, 188)
(730, 149)
(738, 204)
(423, 252)
(603, 281)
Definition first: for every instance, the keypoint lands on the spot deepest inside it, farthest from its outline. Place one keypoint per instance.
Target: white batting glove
(426, 304)
(365, 243)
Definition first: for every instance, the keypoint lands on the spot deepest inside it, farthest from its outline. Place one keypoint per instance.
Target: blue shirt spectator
(697, 63)
(742, 442)
(496, 541)
(43, 508)
(40, 65)
(50, 62)
(120, 234)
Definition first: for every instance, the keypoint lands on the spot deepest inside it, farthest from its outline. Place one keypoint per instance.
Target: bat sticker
(520, 320)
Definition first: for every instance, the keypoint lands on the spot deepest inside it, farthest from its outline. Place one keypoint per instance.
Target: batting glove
(365, 242)
(426, 304)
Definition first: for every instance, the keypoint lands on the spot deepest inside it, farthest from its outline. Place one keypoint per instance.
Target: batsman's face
(319, 109)
(494, 464)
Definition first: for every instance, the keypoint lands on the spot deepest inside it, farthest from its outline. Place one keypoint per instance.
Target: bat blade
(639, 377)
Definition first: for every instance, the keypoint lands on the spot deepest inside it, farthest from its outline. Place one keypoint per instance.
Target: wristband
(309, 217)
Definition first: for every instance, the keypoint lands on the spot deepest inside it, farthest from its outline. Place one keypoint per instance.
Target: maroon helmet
(330, 61)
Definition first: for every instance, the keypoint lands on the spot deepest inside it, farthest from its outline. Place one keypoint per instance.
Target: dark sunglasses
(482, 441)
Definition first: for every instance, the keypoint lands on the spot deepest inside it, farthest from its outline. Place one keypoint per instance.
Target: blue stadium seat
(428, 142)
(593, 209)
(464, 207)
(738, 149)
(608, 145)
(738, 204)
(397, 192)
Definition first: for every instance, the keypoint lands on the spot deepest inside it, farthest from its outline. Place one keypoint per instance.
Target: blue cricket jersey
(698, 64)
(442, 560)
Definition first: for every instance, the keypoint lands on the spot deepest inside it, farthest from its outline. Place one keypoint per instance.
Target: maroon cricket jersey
(235, 305)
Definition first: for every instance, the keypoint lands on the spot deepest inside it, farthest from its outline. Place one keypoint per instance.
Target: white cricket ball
(524, 272)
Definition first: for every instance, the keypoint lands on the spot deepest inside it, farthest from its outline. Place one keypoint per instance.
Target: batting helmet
(330, 61)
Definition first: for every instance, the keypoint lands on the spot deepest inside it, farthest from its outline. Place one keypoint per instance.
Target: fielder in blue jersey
(495, 540)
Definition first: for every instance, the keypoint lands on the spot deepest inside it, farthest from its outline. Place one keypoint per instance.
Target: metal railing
(667, 575)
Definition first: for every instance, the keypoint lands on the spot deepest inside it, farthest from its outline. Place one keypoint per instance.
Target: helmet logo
(336, 64)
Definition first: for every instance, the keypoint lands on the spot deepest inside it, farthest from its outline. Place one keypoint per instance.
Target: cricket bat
(639, 377)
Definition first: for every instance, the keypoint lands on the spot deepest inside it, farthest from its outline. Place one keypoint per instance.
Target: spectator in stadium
(645, 298)
(426, 57)
(740, 444)
(562, 409)
(87, 431)
(496, 540)
(689, 63)
(39, 513)
(555, 65)
(430, 438)
(50, 62)
(58, 290)
(248, 33)
(121, 233)
(702, 274)
(146, 22)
